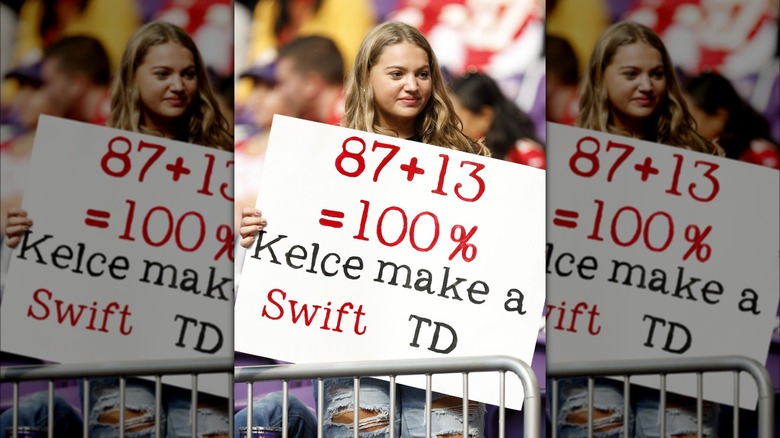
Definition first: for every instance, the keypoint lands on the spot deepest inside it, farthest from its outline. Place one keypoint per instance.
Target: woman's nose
(410, 83)
(644, 83)
(177, 83)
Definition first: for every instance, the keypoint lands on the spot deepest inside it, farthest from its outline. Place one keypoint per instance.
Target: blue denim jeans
(644, 418)
(409, 411)
(140, 411)
(34, 412)
(680, 416)
(267, 412)
(607, 397)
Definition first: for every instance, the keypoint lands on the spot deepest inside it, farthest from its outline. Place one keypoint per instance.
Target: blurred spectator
(71, 81)
(277, 22)
(310, 79)
(723, 116)
(29, 101)
(262, 103)
(486, 113)
(562, 78)
(43, 22)
(76, 75)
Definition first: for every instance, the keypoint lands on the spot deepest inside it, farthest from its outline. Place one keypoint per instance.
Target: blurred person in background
(76, 75)
(487, 114)
(310, 79)
(261, 104)
(29, 101)
(562, 98)
(722, 116)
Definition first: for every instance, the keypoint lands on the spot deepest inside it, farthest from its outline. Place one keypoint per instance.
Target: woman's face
(636, 84)
(401, 81)
(167, 83)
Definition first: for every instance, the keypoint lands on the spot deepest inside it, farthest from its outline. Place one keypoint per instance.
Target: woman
(629, 88)
(161, 89)
(394, 88)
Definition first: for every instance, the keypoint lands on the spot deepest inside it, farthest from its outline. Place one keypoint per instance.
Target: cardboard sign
(130, 252)
(658, 252)
(382, 248)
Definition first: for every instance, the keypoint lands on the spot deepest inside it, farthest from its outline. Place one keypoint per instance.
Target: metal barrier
(392, 368)
(663, 367)
(158, 369)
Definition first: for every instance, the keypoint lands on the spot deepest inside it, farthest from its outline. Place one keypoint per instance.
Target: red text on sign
(309, 314)
(75, 315)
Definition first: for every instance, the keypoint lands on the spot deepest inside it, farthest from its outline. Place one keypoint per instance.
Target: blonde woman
(162, 88)
(629, 88)
(395, 88)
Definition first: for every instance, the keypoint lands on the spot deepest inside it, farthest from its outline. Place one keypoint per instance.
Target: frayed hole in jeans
(368, 420)
(603, 420)
(135, 420)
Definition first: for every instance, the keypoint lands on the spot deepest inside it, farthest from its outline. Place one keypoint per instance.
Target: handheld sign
(382, 248)
(658, 252)
(130, 254)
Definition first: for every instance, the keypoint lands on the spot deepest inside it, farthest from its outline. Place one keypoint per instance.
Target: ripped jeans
(644, 418)
(446, 412)
(140, 411)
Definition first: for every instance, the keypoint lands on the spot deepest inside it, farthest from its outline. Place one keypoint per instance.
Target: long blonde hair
(203, 124)
(437, 123)
(673, 125)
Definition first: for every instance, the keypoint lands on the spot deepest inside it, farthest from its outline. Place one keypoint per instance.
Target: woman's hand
(252, 222)
(17, 223)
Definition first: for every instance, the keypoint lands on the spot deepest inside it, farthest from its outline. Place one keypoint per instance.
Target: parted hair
(671, 124)
(437, 123)
(203, 124)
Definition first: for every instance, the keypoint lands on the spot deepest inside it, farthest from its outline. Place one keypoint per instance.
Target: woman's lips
(644, 101)
(175, 101)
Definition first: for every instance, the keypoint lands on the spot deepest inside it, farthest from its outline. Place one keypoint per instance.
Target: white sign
(658, 252)
(383, 248)
(130, 252)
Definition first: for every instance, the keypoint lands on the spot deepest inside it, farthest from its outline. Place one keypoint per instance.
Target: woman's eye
(629, 74)
(396, 74)
(161, 74)
(658, 74)
(189, 74)
(425, 74)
